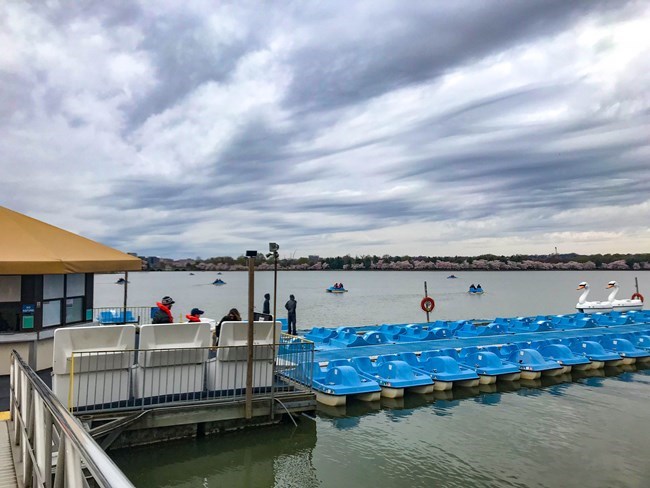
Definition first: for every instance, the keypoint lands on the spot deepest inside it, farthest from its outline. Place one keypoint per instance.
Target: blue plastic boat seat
(454, 326)
(494, 329)
(341, 330)
(531, 360)
(391, 331)
(376, 338)
(562, 354)
(641, 341)
(593, 351)
(507, 349)
(440, 332)
(347, 339)
(465, 351)
(410, 358)
(449, 351)
(445, 368)
(320, 334)
(488, 363)
(622, 346)
(344, 380)
(416, 332)
(502, 320)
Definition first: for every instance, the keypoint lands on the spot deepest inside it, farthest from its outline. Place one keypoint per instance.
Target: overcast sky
(203, 128)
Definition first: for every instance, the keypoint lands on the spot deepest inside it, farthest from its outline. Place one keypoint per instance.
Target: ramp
(7, 470)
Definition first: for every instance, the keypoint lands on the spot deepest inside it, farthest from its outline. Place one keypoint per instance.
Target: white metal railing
(100, 381)
(54, 448)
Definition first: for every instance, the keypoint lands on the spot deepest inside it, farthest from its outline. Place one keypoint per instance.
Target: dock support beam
(251, 255)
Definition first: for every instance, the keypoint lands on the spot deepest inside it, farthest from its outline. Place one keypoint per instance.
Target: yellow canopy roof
(29, 246)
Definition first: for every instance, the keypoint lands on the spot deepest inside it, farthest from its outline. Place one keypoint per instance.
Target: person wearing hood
(164, 313)
(266, 308)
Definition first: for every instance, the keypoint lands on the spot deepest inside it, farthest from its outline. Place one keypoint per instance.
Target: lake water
(581, 430)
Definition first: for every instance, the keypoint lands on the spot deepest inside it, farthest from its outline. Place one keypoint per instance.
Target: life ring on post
(427, 304)
(637, 295)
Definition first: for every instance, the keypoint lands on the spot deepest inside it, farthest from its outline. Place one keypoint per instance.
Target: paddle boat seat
(610, 319)
(347, 339)
(392, 373)
(445, 368)
(341, 380)
(487, 363)
(375, 338)
(416, 332)
(593, 351)
(391, 331)
(623, 347)
(320, 334)
(562, 355)
(530, 360)
(449, 351)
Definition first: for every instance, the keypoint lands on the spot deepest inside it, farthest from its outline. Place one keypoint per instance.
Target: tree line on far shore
(570, 261)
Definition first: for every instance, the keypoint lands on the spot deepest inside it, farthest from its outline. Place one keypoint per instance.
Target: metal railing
(54, 449)
(100, 381)
(116, 315)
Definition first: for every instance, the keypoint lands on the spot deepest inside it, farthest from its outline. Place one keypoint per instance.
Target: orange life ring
(427, 304)
(637, 295)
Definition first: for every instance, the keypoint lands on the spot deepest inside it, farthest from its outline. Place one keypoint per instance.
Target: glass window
(9, 288)
(51, 313)
(74, 310)
(9, 317)
(52, 286)
(75, 285)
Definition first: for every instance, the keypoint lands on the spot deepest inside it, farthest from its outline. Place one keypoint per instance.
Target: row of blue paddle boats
(432, 368)
(442, 329)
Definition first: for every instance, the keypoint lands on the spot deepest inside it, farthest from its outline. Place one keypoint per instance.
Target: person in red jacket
(195, 315)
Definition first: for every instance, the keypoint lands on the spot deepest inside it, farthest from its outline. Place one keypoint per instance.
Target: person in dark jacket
(164, 313)
(266, 308)
(291, 320)
(233, 316)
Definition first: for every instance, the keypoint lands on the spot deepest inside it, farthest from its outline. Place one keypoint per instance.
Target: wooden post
(426, 294)
(636, 284)
(249, 363)
(126, 292)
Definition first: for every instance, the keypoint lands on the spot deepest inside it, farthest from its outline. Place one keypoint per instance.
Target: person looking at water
(195, 315)
(164, 313)
(291, 320)
(266, 308)
(233, 316)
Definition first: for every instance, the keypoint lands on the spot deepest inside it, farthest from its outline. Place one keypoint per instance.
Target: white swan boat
(591, 307)
(625, 304)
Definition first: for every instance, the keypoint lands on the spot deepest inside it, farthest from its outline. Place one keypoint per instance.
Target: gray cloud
(195, 129)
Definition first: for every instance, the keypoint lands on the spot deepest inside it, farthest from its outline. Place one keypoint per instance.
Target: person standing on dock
(291, 320)
(266, 308)
(164, 313)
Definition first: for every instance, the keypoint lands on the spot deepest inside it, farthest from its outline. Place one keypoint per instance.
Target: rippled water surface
(581, 430)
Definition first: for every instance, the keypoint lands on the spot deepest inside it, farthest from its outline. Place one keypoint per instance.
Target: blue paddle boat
(218, 281)
(333, 384)
(336, 288)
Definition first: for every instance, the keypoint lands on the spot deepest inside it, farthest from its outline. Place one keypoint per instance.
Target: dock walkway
(7, 468)
(324, 353)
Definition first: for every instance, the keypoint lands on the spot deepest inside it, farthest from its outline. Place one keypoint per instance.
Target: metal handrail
(76, 447)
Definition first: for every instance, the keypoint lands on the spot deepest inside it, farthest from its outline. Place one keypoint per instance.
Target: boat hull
(421, 390)
(485, 379)
(468, 383)
(372, 396)
(509, 377)
(388, 392)
(530, 375)
(330, 400)
(442, 385)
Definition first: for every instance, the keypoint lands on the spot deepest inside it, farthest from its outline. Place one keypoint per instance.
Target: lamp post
(251, 255)
(273, 251)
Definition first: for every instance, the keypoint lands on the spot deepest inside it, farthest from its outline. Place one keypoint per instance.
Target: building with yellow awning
(46, 282)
